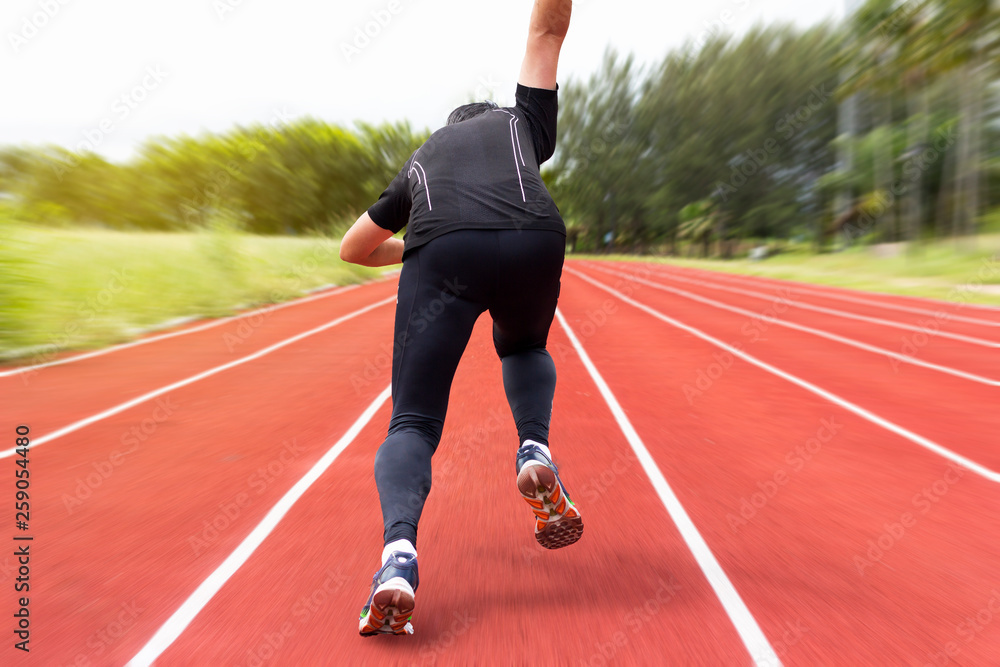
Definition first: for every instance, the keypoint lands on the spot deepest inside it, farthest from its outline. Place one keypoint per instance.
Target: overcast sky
(113, 72)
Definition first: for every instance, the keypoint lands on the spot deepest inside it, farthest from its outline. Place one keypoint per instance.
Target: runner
(482, 234)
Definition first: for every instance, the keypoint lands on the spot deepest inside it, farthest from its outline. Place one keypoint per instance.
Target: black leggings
(444, 287)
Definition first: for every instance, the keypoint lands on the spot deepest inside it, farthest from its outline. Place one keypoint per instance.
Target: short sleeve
(540, 108)
(392, 210)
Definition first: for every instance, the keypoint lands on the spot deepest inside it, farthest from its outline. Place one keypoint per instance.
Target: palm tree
(698, 223)
(912, 27)
(967, 46)
(871, 64)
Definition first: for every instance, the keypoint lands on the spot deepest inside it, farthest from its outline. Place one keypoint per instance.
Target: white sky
(227, 62)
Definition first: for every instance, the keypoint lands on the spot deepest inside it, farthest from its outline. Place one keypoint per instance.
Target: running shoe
(557, 520)
(390, 603)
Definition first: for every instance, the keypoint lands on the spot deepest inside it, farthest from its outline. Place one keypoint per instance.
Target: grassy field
(72, 288)
(87, 288)
(941, 270)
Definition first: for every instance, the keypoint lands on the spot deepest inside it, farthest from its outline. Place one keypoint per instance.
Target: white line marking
(816, 332)
(847, 290)
(427, 186)
(513, 143)
(519, 142)
(808, 386)
(174, 334)
(175, 625)
(746, 625)
(851, 316)
(802, 287)
(76, 426)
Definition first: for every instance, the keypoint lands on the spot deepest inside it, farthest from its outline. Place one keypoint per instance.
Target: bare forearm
(388, 252)
(551, 17)
(367, 244)
(548, 28)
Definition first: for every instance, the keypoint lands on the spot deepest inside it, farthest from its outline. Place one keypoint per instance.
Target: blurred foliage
(18, 279)
(697, 223)
(744, 124)
(919, 75)
(71, 288)
(306, 176)
(790, 133)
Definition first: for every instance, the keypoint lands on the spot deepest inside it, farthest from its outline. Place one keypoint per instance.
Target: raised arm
(549, 24)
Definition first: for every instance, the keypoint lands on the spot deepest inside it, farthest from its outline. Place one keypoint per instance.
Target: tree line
(880, 128)
(303, 176)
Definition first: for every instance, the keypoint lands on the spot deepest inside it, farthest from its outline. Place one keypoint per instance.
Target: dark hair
(467, 111)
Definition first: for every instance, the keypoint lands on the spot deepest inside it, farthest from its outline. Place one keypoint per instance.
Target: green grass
(940, 270)
(76, 288)
(72, 288)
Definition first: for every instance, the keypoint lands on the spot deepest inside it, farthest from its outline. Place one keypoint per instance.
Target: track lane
(953, 412)
(920, 342)
(972, 334)
(921, 346)
(51, 398)
(167, 330)
(746, 625)
(629, 588)
(759, 322)
(793, 559)
(914, 305)
(124, 523)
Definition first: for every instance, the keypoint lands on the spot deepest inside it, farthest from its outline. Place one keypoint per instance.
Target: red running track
(934, 404)
(835, 540)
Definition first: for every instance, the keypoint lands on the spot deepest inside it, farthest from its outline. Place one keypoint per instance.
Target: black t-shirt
(482, 173)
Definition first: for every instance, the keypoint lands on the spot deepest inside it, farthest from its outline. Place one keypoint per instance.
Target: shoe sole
(390, 611)
(557, 522)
